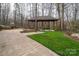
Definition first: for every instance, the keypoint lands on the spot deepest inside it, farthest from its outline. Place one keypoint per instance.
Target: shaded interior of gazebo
(43, 22)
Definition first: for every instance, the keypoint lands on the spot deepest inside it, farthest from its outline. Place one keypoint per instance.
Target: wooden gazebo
(43, 22)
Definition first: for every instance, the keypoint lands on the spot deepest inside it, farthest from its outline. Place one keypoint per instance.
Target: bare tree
(42, 9)
(19, 14)
(5, 13)
(75, 16)
(50, 9)
(0, 13)
(58, 10)
(62, 16)
(36, 16)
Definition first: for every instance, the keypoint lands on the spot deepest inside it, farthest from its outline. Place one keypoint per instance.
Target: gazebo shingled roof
(43, 18)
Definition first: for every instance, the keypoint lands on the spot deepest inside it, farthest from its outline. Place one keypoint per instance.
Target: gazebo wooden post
(28, 24)
(54, 24)
(37, 25)
(49, 25)
(42, 25)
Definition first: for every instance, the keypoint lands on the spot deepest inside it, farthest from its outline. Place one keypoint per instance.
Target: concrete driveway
(14, 43)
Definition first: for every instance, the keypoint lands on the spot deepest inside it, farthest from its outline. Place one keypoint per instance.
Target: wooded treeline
(18, 13)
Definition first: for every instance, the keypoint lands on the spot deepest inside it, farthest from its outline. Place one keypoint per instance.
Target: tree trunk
(36, 28)
(62, 16)
(0, 13)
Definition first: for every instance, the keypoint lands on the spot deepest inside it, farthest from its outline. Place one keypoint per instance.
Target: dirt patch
(72, 37)
(75, 36)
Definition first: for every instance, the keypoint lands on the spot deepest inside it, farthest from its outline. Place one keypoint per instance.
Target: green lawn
(57, 42)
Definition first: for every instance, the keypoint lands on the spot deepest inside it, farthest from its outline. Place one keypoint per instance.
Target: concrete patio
(14, 43)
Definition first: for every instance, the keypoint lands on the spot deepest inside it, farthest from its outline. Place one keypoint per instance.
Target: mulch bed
(27, 30)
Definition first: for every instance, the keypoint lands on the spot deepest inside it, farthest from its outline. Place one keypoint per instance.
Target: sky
(39, 1)
(27, 9)
(12, 4)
